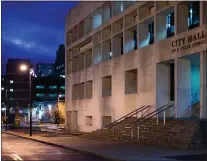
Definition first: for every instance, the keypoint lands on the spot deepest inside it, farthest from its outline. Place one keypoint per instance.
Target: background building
(17, 86)
(59, 67)
(44, 70)
(122, 55)
(46, 91)
(17, 83)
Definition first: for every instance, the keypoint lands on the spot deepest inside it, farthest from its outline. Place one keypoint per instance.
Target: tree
(57, 116)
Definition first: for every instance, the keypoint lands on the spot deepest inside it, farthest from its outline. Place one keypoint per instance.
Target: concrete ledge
(68, 148)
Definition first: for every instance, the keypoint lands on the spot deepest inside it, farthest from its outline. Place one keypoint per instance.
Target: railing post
(164, 117)
(157, 118)
(113, 133)
(132, 133)
(138, 132)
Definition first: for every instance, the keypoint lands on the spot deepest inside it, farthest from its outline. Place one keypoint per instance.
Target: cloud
(32, 36)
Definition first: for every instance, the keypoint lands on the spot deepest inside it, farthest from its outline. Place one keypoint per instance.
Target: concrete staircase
(183, 134)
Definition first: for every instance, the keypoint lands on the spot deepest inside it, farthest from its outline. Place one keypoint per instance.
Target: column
(203, 84)
(182, 86)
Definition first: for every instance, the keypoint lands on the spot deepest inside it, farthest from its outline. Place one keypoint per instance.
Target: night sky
(33, 30)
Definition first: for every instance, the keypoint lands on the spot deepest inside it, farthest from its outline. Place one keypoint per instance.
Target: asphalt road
(16, 148)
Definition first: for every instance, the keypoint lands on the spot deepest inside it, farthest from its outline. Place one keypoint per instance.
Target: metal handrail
(152, 114)
(135, 112)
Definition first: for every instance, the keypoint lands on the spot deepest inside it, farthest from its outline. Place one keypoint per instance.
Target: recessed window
(11, 90)
(151, 32)
(11, 81)
(52, 87)
(194, 15)
(106, 86)
(40, 87)
(89, 120)
(131, 81)
(170, 25)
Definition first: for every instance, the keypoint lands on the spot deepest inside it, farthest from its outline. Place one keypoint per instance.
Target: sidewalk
(107, 149)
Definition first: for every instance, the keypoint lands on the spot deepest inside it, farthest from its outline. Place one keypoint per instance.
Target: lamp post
(24, 68)
(6, 109)
(59, 96)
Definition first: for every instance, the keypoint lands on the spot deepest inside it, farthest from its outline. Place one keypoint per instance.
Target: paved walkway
(108, 149)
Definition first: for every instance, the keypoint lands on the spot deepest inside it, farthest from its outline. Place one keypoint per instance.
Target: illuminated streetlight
(2, 88)
(23, 67)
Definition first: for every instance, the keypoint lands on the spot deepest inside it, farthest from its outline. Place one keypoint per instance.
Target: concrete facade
(138, 74)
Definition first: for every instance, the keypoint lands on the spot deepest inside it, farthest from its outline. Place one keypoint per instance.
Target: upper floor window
(11, 90)
(151, 32)
(11, 81)
(194, 15)
(170, 25)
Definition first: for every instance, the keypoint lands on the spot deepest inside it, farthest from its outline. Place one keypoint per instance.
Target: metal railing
(149, 116)
(131, 114)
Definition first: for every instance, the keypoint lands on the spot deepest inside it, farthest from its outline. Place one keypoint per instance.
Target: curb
(69, 148)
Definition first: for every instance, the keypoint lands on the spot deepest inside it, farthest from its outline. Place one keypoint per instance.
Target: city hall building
(121, 55)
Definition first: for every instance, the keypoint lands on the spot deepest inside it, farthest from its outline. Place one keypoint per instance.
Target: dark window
(122, 45)
(170, 25)
(135, 40)
(172, 83)
(193, 15)
(151, 32)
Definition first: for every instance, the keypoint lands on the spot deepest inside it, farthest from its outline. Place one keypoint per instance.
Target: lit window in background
(11, 90)
(62, 87)
(40, 87)
(11, 81)
(2, 88)
(52, 87)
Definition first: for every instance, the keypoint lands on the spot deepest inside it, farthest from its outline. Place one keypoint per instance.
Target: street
(16, 148)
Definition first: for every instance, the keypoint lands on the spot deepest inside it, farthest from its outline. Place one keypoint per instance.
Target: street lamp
(59, 96)
(6, 110)
(24, 68)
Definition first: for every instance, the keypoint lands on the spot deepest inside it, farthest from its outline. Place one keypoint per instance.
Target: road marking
(17, 157)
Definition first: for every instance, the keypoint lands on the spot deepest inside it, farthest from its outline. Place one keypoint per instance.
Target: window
(81, 90)
(170, 25)
(11, 98)
(106, 86)
(89, 89)
(194, 15)
(89, 120)
(151, 32)
(53, 95)
(40, 95)
(11, 81)
(131, 81)
(135, 40)
(40, 87)
(62, 87)
(52, 87)
(11, 90)
(75, 92)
